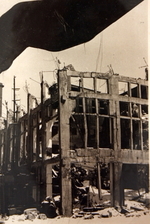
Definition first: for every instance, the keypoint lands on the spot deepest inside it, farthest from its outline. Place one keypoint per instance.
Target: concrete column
(49, 180)
(65, 107)
(116, 185)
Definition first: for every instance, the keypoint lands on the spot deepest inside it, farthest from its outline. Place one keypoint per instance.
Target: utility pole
(14, 99)
(14, 130)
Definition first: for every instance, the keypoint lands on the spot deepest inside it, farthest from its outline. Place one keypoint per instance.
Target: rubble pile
(132, 208)
(29, 214)
(112, 212)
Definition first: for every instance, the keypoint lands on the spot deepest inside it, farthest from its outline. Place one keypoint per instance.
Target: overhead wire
(99, 52)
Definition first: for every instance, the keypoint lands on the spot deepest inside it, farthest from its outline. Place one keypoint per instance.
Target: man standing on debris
(48, 207)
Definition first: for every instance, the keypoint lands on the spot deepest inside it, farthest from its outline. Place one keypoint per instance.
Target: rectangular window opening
(124, 109)
(90, 105)
(104, 132)
(134, 90)
(144, 92)
(125, 134)
(75, 84)
(145, 135)
(91, 126)
(123, 88)
(102, 86)
(79, 105)
(136, 134)
(144, 109)
(88, 84)
(135, 110)
(103, 107)
(77, 131)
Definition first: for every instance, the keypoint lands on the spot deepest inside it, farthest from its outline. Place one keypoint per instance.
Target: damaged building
(93, 130)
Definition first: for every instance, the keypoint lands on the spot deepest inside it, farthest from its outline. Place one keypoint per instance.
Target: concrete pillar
(116, 185)
(49, 180)
(64, 142)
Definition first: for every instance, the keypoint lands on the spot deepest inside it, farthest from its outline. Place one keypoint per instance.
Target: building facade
(89, 119)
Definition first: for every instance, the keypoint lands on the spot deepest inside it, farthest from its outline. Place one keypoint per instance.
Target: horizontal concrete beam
(135, 156)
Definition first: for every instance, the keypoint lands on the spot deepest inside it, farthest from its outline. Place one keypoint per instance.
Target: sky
(123, 45)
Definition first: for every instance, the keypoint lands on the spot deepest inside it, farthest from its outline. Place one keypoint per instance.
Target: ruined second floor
(96, 113)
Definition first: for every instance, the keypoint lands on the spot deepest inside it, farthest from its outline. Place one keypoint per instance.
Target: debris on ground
(132, 208)
(89, 216)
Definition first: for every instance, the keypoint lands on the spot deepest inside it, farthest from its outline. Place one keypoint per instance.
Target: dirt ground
(143, 219)
(136, 212)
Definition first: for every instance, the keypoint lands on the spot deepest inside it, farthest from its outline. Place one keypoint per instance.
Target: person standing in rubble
(48, 207)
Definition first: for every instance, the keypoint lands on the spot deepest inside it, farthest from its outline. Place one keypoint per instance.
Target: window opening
(134, 90)
(104, 132)
(125, 134)
(136, 134)
(144, 92)
(77, 131)
(145, 135)
(88, 84)
(92, 137)
(90, 105)
(124, 109)
(102, 86)
(144, 109)
(75, 84)
(103, 107)
(79, 105)
(123, 88)
(135, 110)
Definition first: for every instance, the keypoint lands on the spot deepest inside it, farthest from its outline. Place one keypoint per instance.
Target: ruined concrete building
(90, 119)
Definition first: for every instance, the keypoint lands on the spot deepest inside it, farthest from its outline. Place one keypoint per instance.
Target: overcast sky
(123, 45)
